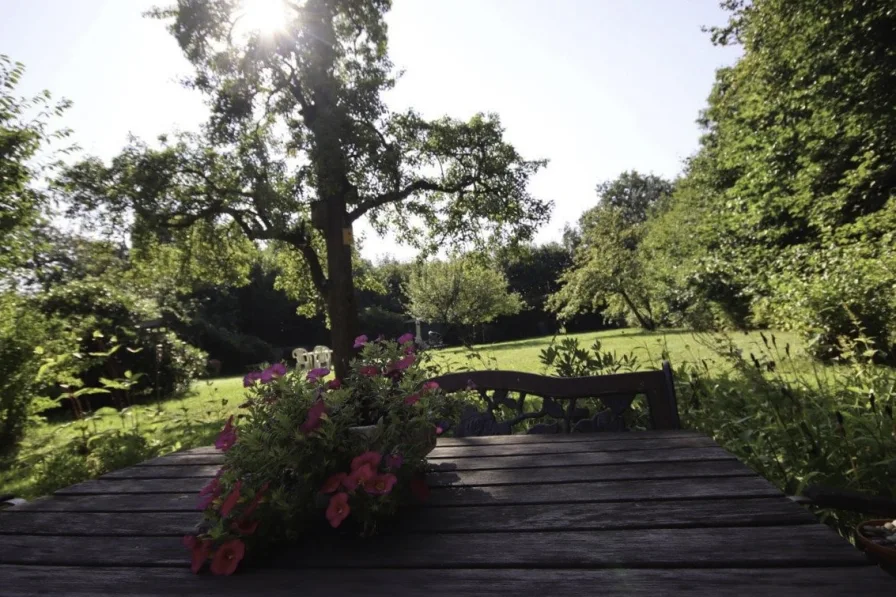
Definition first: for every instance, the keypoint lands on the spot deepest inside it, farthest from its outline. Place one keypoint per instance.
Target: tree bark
(646, 322)
(341, 304)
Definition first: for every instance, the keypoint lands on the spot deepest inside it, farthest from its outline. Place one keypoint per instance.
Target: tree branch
(401, 195)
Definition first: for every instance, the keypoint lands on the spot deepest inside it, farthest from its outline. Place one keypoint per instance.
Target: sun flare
(263, 16)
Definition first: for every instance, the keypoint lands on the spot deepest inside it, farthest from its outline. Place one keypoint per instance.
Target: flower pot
(870, 542)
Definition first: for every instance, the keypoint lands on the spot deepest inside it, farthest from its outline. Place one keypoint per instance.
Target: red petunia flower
(359, 477)
(402, 363)
(333, 483)
(199, 555)
(334, 384)
(405, 338)
(381, 484)
(419, 488)
(371, 458)
(231, 500)
(227, 437)
(430, 386)
(338, 510)
(245, 527)
(315, 417)
(412, 399)
(228, 557)
(369, 371)
(208, 494)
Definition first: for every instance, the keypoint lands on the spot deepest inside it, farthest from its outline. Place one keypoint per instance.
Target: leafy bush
(116, 333)
(21, 332)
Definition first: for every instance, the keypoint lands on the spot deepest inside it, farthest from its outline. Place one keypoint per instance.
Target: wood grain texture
(204, 471)
(462, 519)
(163, 502)
(808, 545)
(609, 472)
(608, 491)
(578, 459)
(135, 486)
(566, 437)
(31, 581)
(160, 524)
(569, 447)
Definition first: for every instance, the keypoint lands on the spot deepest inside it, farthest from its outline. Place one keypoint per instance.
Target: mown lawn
(195, 419)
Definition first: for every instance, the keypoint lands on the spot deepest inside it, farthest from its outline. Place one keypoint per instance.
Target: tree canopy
(300, 145)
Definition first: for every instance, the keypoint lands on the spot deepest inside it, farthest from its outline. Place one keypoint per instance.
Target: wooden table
(655, 513)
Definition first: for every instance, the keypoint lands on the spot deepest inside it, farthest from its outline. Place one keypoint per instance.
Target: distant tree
(607, 272)
(461, 292)
(300, 146)
(533, 271)
(24, 130)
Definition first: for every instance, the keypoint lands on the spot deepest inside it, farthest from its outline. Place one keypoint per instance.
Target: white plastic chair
(304, 359)
(323, 356)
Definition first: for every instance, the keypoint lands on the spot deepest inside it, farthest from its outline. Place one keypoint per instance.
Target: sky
(597, 87)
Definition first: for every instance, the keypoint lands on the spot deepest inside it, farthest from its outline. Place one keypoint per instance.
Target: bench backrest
(616, 392)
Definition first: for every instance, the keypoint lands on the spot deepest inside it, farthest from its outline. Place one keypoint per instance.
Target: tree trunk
(646, 322)
(341, 305)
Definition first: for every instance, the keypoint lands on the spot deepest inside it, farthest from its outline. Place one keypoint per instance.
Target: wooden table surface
(641, 513)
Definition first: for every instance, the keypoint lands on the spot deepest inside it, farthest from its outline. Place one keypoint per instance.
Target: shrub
(117, 332)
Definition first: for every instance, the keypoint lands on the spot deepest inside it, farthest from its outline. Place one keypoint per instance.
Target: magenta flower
(405, 338)
(412, 399)
(394, 461)
(200, 551)
(208, 494)
(430, 386)
(333, 483)
(228, 557)
(338, 509)
(381, 484)
(277, 369)
(316, 374)
(369, 371)
(315, 417)
(405, 362)
(359, 477)
(227, 437)
(259, 496)
(372, 458)
(334, 384)
(251, 378)
(360, 341)
(231, 500)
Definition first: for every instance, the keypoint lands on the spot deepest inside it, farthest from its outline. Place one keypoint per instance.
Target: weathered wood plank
(31, 581)
(181, 458)
(608, 472)
(579, 459)
(565, 437)
(671, 443)
(792, 582)
(204, 471)
(146, 483)
(143, 524)
(537, 492)
(806, 545)
(464, 519)
(621, 491)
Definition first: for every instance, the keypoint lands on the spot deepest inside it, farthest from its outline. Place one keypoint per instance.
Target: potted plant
(878, 537)
(306, 448)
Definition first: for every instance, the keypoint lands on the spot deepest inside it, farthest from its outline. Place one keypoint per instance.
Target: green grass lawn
(195, 419)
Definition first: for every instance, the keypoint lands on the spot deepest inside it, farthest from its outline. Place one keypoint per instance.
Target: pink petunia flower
(208, 494)
(405, 338)
(412, 399)
(394, 461)
(227, 437)
(315, 417)
(316, 374)
(333, 483)
(404, 362)
(359, 477)
(228, 557)
(372, 458)
(430, 386)
(231, 500)
(334, 384)
(251, 378)
(381, 484)
(338, 509)
(369, 371)
(200, 550)
(360, 341)
(277, 369)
